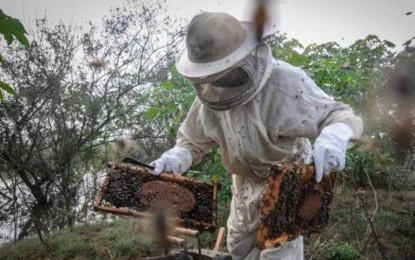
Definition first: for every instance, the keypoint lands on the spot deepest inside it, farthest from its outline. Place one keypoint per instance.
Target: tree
(78, 90)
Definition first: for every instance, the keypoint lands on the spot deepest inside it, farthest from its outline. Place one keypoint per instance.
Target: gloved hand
(329, 150)
(176, 161)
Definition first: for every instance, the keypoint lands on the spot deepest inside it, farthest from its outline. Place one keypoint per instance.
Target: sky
(309, 21)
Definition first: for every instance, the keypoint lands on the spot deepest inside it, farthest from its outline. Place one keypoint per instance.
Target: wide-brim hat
(215, 42)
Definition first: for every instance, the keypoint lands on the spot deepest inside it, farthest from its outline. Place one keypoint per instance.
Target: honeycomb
(293, 204)
(135, 188)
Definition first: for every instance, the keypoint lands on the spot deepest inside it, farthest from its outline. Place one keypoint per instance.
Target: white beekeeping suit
(268, 114)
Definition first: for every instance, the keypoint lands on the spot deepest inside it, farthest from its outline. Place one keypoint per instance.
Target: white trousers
(243, 224)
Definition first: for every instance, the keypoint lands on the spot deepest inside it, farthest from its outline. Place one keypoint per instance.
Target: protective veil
(218, 94)
(283, 108)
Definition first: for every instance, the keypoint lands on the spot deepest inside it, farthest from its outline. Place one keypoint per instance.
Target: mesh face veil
(234, 86)
(233, 78)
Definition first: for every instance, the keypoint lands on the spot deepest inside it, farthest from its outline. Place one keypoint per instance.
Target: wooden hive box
(132, 190)
(293, 204)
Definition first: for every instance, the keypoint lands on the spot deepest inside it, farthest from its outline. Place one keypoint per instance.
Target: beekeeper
(258, 110)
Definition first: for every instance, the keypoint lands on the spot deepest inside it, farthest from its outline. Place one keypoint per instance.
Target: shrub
(342, 251)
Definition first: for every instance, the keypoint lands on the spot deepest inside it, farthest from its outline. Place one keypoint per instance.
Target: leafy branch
(11, 29)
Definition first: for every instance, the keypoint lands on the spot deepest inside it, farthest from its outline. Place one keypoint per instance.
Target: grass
(349, 236)
(122, 239)
(346, 237)
(126, 238)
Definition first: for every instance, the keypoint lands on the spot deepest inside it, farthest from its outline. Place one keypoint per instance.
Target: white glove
(329, 151)
(176, 161)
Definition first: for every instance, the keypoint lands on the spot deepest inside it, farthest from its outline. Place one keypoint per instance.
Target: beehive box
(133, 191)
(293, 204)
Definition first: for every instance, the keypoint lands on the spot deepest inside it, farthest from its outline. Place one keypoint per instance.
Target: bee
(97, 64)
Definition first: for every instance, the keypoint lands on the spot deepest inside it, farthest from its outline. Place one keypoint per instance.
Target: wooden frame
(305, 213)
(102, 206)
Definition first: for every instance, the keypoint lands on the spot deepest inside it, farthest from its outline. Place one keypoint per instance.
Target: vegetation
(77, 92)
(118, 240)
(11, 29)
(86, 98)
(342, 251)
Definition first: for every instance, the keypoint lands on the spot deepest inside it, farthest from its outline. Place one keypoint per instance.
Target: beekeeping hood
(224, 60)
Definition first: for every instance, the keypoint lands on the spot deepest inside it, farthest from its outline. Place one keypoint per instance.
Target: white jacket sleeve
(192, 134)
(313, 109)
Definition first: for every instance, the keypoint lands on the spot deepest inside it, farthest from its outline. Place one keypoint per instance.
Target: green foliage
(342, 251)
(213, 166)
(6, 87)
(170, 102)
(122, 239)
(343, 72)
(31, 248)
(11, 29)
(375, 164)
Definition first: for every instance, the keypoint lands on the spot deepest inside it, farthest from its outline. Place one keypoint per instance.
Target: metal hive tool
(293, 204)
